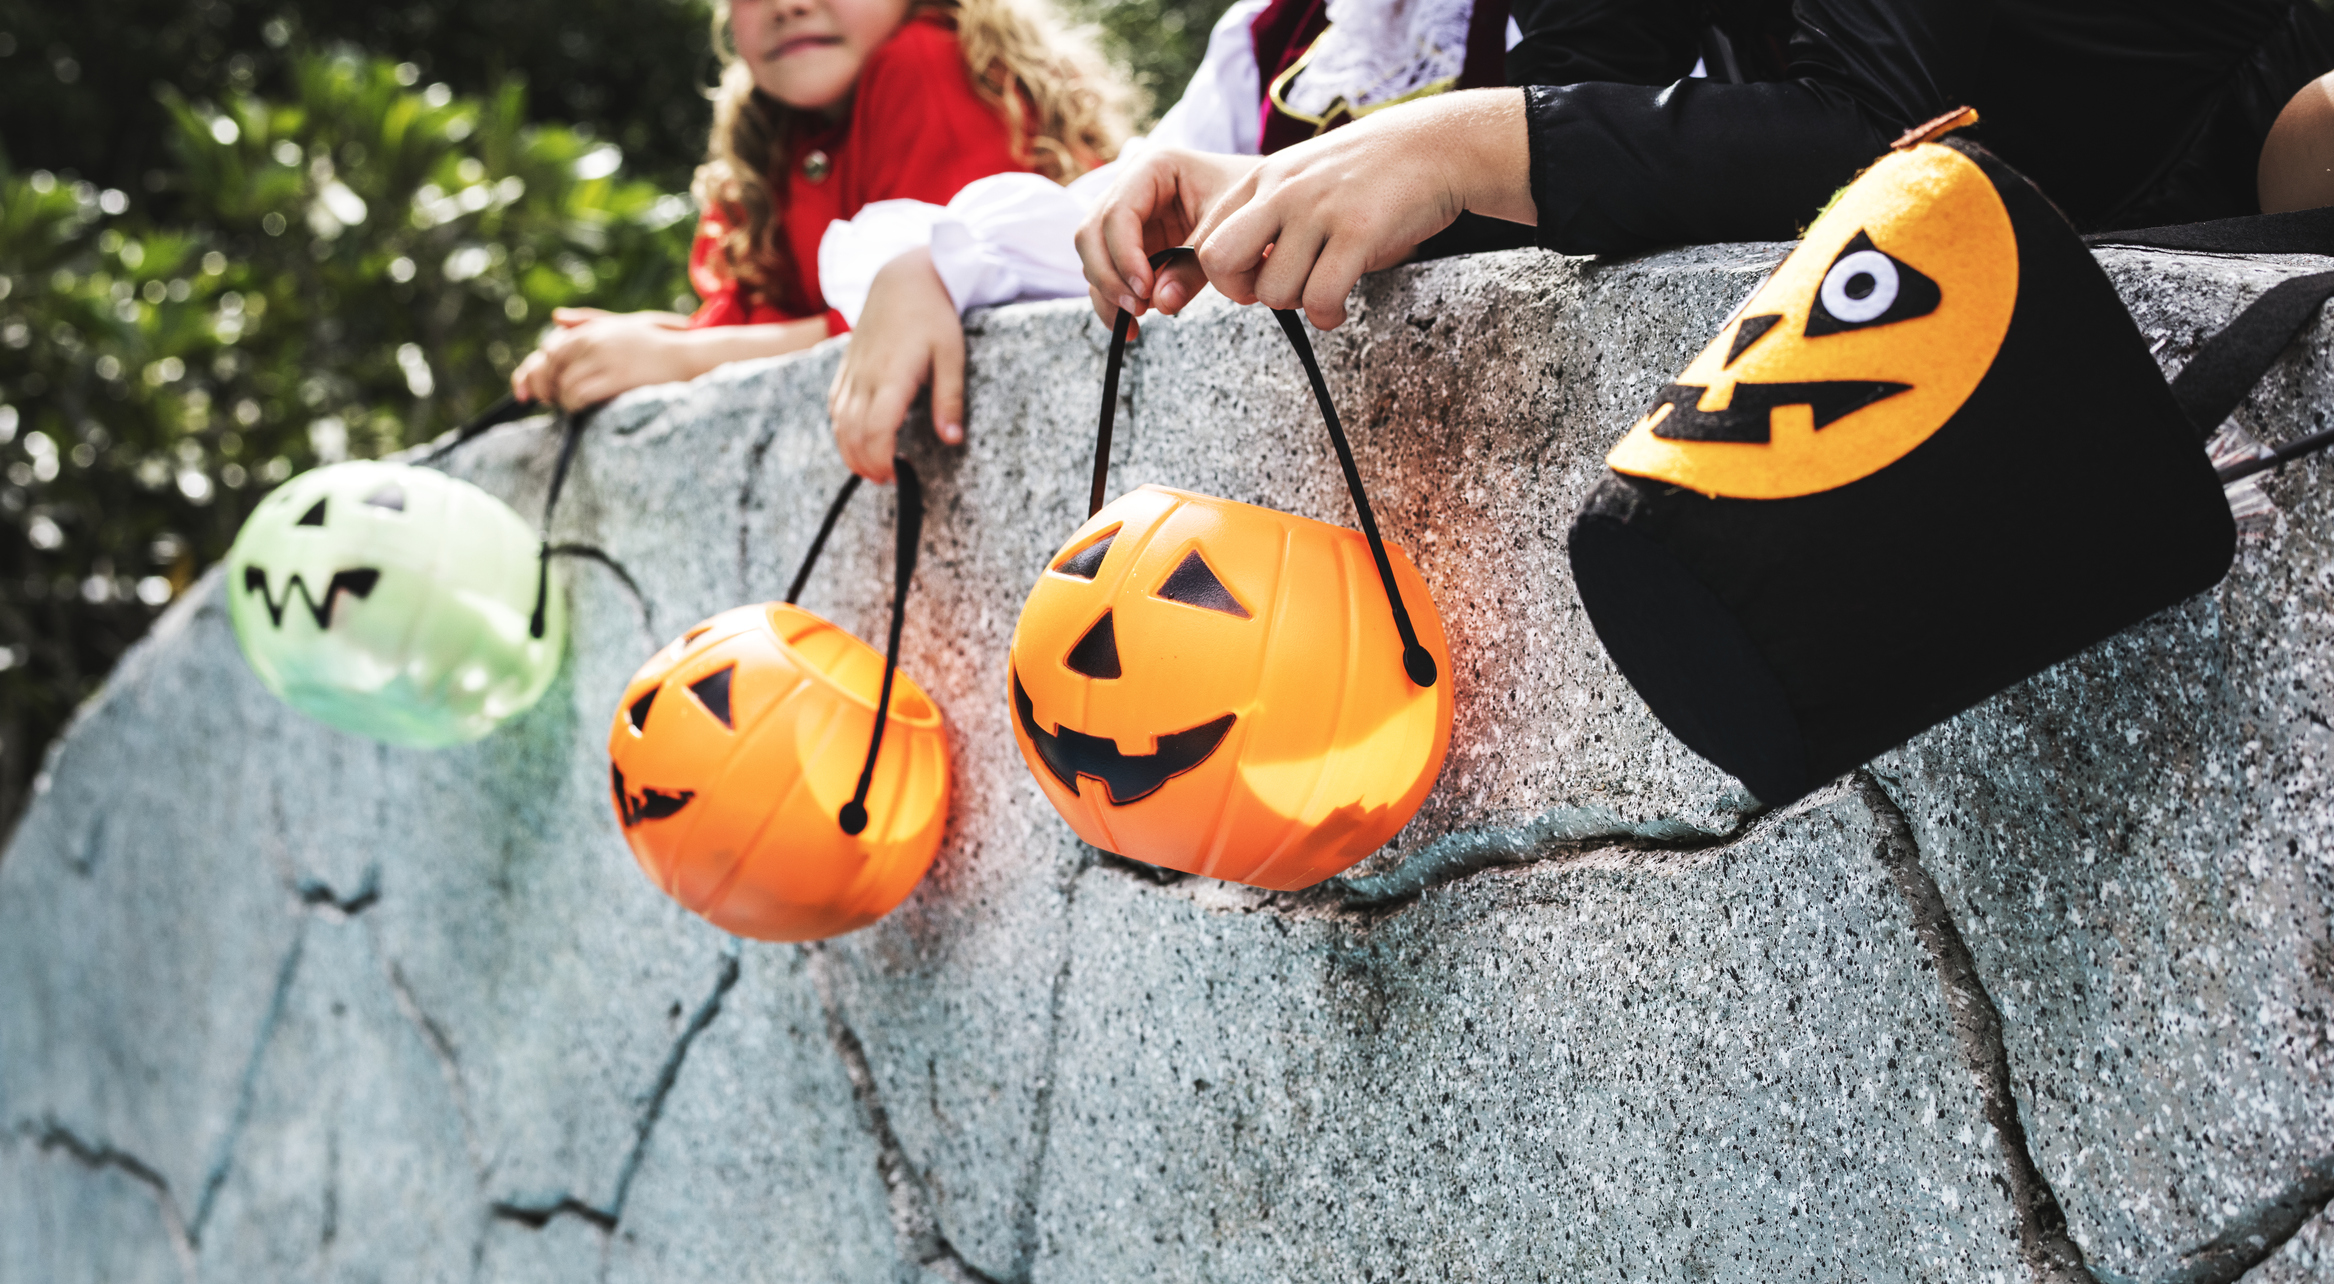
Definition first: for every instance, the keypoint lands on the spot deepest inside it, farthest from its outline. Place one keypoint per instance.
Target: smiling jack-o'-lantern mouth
(648, 804)
(358, 582)
(1748, 418)
(1125, 777)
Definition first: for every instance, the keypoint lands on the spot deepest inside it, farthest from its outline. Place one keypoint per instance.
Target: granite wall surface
(2045, 994)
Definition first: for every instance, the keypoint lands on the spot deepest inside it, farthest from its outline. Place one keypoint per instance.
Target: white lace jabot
(1378, 52)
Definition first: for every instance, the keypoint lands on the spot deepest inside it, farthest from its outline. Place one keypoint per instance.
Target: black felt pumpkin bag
(1929, 458)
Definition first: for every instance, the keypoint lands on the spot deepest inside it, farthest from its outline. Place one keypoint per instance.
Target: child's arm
(595, 355)
(908, 334)
(902, 272)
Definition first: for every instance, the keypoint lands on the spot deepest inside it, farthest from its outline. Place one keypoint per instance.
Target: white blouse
(1008, 237)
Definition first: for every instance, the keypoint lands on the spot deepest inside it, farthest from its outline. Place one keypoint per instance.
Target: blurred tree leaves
(352, 268)
(1158, 42)
(77, 80)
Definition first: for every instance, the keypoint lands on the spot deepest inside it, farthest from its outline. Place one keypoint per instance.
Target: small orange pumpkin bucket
(736, 766)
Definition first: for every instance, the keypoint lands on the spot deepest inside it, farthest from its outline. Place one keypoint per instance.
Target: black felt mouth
(356, 583)
(1125, 777)
(1746, 418)
(651, 804)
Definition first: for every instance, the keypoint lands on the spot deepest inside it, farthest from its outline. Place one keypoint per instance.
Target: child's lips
(802, 44)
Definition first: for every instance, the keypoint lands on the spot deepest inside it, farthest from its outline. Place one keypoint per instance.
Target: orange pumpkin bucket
(1225, 689)
(777, 776)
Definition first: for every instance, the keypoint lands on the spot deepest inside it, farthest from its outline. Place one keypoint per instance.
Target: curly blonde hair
(1023, 61)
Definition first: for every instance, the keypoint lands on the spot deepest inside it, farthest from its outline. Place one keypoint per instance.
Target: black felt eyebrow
(1193, 583)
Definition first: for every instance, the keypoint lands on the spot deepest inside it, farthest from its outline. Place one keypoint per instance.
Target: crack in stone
(1025, 1235)
(434, 1037)
(670, 1074)
(915, 1224)
(247, 1089)
(1157, 875)
(51, 1137)
(92, 844)
(1581, 836)
(330, 1219)
(1566, 831)
(535, 1215)
(2259, 1232)
(755, 454)
(317, 894)
(538, 1216)
(2050, 1252)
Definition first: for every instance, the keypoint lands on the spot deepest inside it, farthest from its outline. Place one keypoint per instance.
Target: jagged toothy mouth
(356, 583)
(648, 804)
(1125, 777)
(1754, 404)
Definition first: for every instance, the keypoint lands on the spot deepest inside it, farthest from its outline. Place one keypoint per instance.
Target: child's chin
(812, 80)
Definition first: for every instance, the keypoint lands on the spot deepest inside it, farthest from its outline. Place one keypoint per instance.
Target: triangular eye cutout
(712, 691)
(639, 710)
(1867, 286)
(390, 495)
(313, 517)
(1096, 654)
(1194, 584)
(1086, 563)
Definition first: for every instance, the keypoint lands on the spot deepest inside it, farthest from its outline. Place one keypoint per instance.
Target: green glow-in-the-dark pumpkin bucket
(395, 602)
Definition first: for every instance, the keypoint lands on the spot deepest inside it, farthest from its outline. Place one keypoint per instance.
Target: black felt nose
(1096, 654)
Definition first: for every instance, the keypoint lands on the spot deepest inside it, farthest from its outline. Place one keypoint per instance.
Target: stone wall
(2047, 992)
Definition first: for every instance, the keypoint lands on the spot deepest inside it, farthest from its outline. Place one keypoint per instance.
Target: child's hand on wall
(907, 334)
(594, 355)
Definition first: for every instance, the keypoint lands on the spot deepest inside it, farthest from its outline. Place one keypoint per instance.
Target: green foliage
(76, 80)
(352, 268)
(1159, 42)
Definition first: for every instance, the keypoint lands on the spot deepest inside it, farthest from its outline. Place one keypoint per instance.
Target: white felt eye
(1860, 286)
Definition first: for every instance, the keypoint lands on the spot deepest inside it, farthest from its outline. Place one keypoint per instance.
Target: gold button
(815, 166)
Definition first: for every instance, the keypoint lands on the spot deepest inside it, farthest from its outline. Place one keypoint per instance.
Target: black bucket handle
(1417, 661)
(853, 816)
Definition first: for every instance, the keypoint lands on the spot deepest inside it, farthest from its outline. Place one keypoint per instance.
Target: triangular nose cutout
(1096, 654)
(1193, 584)
(313, 517)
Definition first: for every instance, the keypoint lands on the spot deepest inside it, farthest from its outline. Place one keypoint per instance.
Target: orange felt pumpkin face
(732, 753)
(1859, 348)
(1218, 688)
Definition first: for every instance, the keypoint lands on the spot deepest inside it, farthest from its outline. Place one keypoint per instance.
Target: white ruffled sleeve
(1222, 108)
(1004, 237)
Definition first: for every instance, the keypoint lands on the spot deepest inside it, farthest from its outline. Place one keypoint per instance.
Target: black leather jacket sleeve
(1619, 167)
(2138, 109)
